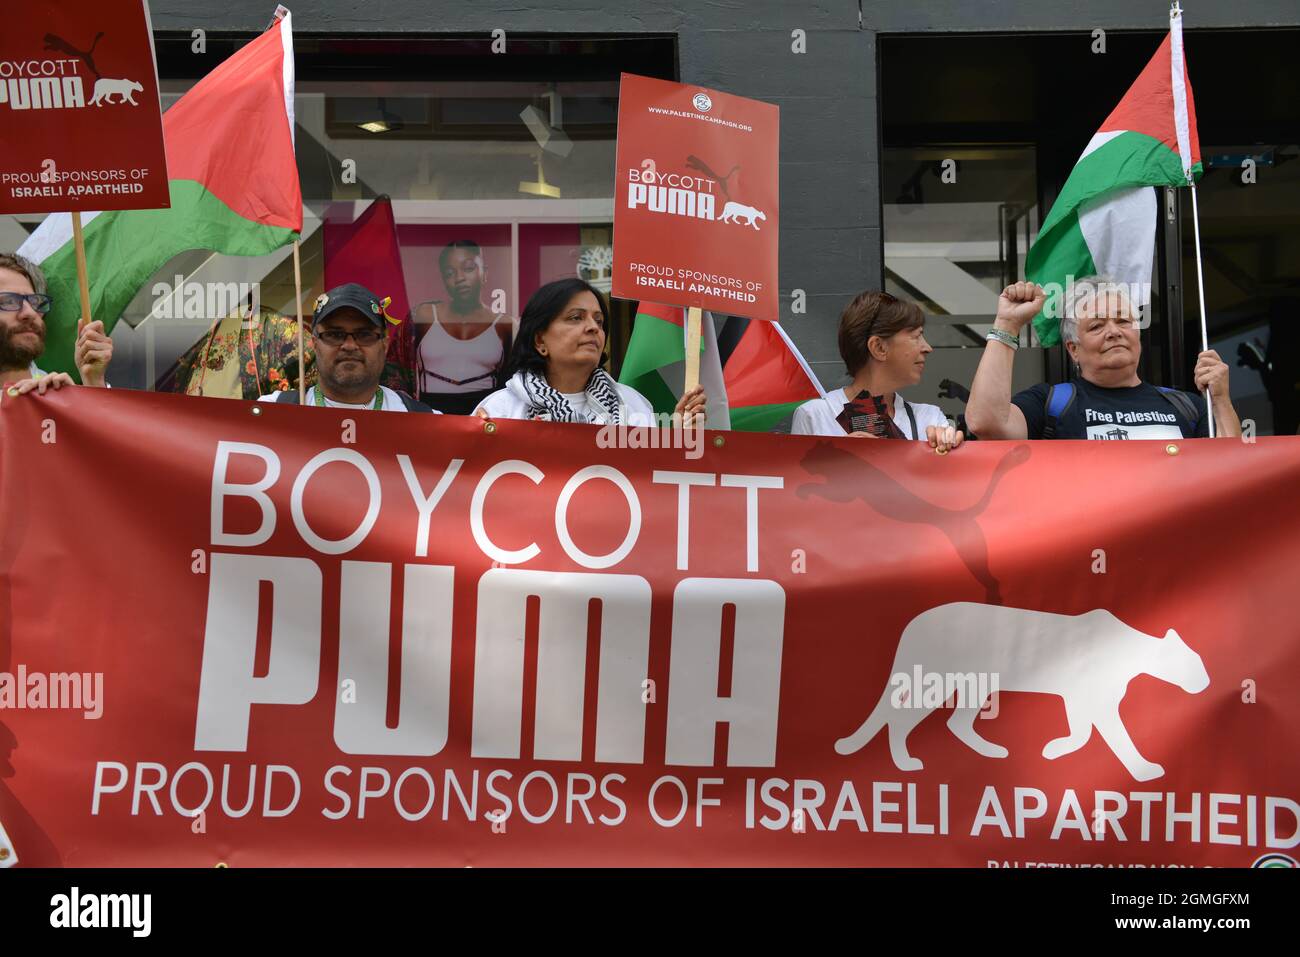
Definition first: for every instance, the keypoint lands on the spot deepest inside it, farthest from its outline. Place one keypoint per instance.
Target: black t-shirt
(1132, 412)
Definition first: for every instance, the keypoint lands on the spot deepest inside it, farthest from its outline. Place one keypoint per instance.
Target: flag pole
(1200, 289)
(297, 298)
(1182, 129)
(693, 323)
(83, 279)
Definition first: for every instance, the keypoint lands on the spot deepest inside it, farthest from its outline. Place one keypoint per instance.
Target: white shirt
(392, 401)
(461, 365)
(507, 404)
(817, 417)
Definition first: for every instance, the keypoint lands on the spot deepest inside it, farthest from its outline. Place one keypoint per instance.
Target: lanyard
(320, 398)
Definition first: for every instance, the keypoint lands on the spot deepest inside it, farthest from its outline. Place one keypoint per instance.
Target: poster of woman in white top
(463, 342)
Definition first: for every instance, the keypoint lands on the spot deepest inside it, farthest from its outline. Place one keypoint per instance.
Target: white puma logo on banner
(1087, 659)
(745, 215)
(106, 89)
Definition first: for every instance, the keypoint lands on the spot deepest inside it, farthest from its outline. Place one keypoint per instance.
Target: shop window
(499, 168)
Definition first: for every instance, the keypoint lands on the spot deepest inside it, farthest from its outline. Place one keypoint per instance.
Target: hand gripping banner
(274, 635)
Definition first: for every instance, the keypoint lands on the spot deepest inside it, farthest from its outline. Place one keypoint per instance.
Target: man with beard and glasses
(349, 333)
(23, 305)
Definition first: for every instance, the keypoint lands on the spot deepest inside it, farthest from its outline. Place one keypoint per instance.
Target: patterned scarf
(548, 403)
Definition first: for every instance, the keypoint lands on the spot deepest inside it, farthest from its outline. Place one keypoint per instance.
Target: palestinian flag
(1104, 220)
(762, 376)
(234, 190)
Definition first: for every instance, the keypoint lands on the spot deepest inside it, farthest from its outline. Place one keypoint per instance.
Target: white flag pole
(297, 298)
(1185, 151)
(1200, 289)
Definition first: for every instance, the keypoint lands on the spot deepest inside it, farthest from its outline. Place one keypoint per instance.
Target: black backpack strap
(1059, 399)
(413, 405)
(911, 417)
(1180, 401)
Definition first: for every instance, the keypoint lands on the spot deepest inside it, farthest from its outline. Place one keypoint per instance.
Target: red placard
(695, 198)
(434, 644)
(79, 107)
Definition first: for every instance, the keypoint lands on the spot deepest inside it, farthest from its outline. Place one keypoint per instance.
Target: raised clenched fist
(1018, 304)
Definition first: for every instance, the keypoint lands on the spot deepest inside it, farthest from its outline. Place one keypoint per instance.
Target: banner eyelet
(718, 441)
(489, 427)
(1171, 449)
(256, 410)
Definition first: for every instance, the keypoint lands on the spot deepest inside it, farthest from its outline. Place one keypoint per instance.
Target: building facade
(921, 144)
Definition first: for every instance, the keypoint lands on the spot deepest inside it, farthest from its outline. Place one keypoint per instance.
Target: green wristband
(1006, 338)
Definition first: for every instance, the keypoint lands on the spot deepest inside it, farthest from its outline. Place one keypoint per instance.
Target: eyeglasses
(336, 337)
(13, 301)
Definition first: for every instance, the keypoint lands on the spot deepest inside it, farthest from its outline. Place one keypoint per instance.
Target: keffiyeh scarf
(548, 403)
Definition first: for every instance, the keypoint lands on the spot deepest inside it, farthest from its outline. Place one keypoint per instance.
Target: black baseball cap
(350, 295)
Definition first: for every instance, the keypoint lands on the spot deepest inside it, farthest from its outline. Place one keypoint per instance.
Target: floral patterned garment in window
(241, 358)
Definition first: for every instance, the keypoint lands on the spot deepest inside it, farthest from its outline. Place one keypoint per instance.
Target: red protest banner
(80, 108)
(430, 644)
(695, 198)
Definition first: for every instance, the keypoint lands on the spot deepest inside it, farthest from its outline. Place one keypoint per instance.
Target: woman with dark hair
(554, 372)
(882, 343)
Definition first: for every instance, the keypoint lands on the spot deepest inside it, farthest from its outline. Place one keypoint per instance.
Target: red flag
(367, 252)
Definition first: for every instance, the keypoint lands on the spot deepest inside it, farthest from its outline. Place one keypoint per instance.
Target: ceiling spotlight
(387, 122)
(548, 133)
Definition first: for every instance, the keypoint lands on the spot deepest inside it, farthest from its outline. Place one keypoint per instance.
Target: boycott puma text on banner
(329, 637)
(80, 109)
(695, 198)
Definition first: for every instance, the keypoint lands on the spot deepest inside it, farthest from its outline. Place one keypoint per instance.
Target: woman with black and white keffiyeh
(554, 374)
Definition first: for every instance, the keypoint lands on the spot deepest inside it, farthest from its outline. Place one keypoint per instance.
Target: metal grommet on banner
(256, 410)
(4, 853)
(718, 441)
(221, 865)
(1171, 449)
(13, 391)
(489, 427)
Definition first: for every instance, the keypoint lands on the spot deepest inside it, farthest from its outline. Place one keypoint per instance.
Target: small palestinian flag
(760, 375)
(234, 189)
(1104, 220)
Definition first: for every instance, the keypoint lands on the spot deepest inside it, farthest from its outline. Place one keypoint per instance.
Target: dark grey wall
(830, 195)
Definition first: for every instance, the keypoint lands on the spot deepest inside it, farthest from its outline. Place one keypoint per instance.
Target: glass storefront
(433, 173)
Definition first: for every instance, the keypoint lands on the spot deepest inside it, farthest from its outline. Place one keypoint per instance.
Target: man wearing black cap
(349, 333)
